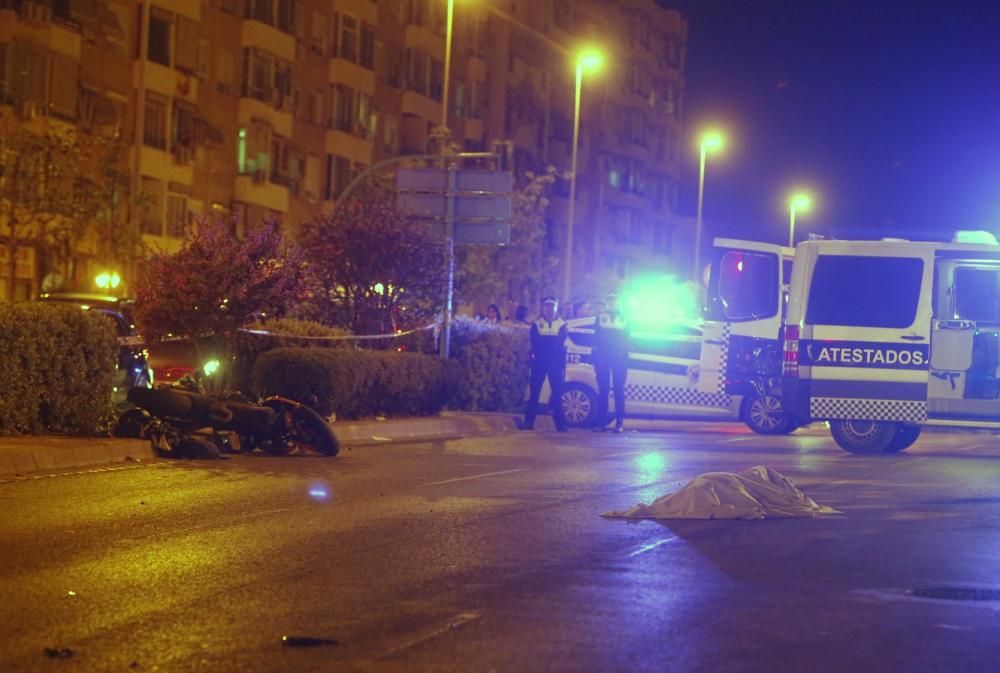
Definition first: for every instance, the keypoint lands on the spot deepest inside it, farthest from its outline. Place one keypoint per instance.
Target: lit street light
(447, 63)
(711, 141)
(590, 60)
(800, 202)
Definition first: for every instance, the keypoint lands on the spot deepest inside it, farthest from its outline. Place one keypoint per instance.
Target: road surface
(489, 554)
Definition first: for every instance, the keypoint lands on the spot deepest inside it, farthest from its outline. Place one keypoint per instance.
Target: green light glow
(658, 305)
(211, 367)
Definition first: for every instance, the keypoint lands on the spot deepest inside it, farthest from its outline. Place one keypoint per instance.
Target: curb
(24, 455)
(39, 453)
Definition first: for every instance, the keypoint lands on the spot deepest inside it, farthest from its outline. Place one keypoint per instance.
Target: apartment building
(268, 108)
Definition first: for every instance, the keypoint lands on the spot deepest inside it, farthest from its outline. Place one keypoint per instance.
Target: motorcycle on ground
(185, 422)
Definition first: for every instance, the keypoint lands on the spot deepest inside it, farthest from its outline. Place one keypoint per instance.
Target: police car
(886, 337)
(723, 368)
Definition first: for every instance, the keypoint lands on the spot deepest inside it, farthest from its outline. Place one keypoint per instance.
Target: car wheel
(764, 415)
(579, 405)
(906, 435)
(864, 436)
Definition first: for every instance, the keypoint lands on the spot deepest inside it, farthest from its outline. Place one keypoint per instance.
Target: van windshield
(744, 286)
(865, 291)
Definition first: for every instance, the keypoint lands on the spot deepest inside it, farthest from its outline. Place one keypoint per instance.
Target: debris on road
(58, 652)
(756, 493)
(306, 641)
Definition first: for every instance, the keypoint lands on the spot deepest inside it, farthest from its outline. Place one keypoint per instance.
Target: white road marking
(619, 455)
(474, 476)
(455, 622)
(34, 477)
(737, 439)
(652, 545)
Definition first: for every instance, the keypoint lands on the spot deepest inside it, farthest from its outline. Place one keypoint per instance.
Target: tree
(47, 190)
(217, 283)
(486, 272)
(373, 267)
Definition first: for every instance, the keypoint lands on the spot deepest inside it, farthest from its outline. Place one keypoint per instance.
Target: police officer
(548, 359)
(610, 355)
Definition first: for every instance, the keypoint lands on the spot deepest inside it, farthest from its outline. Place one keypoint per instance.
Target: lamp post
(447, 63)
(799, 202)
(711, 141)
(590, 60)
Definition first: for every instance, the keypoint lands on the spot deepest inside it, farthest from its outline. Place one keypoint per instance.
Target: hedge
(249, 346)
(59, 369)
(353, 383)
(489, 365)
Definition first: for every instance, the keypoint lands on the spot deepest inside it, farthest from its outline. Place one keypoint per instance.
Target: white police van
(723, 368)
(885, 337)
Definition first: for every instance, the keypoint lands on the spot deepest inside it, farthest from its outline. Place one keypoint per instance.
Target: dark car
(133, 363)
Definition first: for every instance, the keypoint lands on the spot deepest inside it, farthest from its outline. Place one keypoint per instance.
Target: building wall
(268, 108)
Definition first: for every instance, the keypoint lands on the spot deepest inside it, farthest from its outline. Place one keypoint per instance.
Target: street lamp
(800, 202)
(711, 141)
(447, 63)
(589, 59)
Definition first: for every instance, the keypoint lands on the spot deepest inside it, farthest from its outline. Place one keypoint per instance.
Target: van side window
(748, 285)
(864, 291)
(976, 294)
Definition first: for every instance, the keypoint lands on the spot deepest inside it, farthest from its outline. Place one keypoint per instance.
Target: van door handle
(713, 342)
(913, 337)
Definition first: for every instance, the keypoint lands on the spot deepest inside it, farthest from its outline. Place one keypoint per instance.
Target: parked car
(133, 363)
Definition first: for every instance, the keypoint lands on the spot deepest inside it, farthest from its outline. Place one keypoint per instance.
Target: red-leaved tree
(217, 283)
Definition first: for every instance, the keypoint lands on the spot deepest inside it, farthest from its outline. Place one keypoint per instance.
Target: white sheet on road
(757, 493)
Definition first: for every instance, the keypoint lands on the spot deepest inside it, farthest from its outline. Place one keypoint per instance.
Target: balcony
(256, 189)
(250, 109)
(269, 39)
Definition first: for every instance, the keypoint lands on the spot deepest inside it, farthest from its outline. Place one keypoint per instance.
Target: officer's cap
(550, 300)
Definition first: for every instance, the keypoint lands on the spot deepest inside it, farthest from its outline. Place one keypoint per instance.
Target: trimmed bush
(59, 370)
(355, 383)
(249, 347)
(489, 364)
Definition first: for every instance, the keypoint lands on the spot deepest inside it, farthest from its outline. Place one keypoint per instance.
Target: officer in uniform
(610, 356)
(548, 359)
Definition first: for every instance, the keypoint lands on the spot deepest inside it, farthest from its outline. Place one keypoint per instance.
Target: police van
(883, 338)
(725, 367)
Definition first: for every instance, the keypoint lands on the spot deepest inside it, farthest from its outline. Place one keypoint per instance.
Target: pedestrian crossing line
(75, 473)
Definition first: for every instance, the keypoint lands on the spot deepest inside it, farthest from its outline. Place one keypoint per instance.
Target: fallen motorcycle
(182, 422)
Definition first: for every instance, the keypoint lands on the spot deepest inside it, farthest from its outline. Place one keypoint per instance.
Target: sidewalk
(28, 454)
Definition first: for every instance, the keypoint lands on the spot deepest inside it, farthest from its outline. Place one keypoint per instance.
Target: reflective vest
(548, 338)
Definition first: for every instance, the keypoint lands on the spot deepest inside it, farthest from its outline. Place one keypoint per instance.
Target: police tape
(338, 337)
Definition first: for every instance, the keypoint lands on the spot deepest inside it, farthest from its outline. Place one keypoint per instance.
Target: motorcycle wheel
(308, 429)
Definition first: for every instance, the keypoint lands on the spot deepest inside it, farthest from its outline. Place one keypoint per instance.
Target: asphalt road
(489, 554)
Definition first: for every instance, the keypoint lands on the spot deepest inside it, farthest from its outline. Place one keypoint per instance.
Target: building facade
(268, 108)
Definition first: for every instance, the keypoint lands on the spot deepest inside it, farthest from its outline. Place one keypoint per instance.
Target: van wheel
(865, 436)
(906, 435)
(764, 415)
(579, 405)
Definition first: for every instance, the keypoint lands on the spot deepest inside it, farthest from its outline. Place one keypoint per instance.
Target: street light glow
(590, 59)
(800, 202)
(712, 141)
(108, 280)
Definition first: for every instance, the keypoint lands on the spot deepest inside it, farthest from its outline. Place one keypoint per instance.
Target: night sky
(889, 110)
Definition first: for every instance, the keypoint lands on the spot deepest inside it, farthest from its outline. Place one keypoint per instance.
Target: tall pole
(447, 63)
(568, 253)
(697, 227)
(791, 226)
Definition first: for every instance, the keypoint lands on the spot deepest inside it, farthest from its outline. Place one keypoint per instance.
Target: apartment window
(286, 16)
(562, 15)
(390, 134)
(155, 122)
(635, 231)
(312, 178)
(261, 10)
(152, 209)
(252, 149)
(159, 36)
(458, 99)
(320, 34)
(283, 87)
(368, 46)
(343, 108)
(259, 73)
(338, 176)
(418, 13)
(182, 132)
(177, 215)
(366, 116)
(65, 87)
(204, 59)
(476, 100)
(437, 79)
(477, 39)
(418, 66)
(347, 45)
